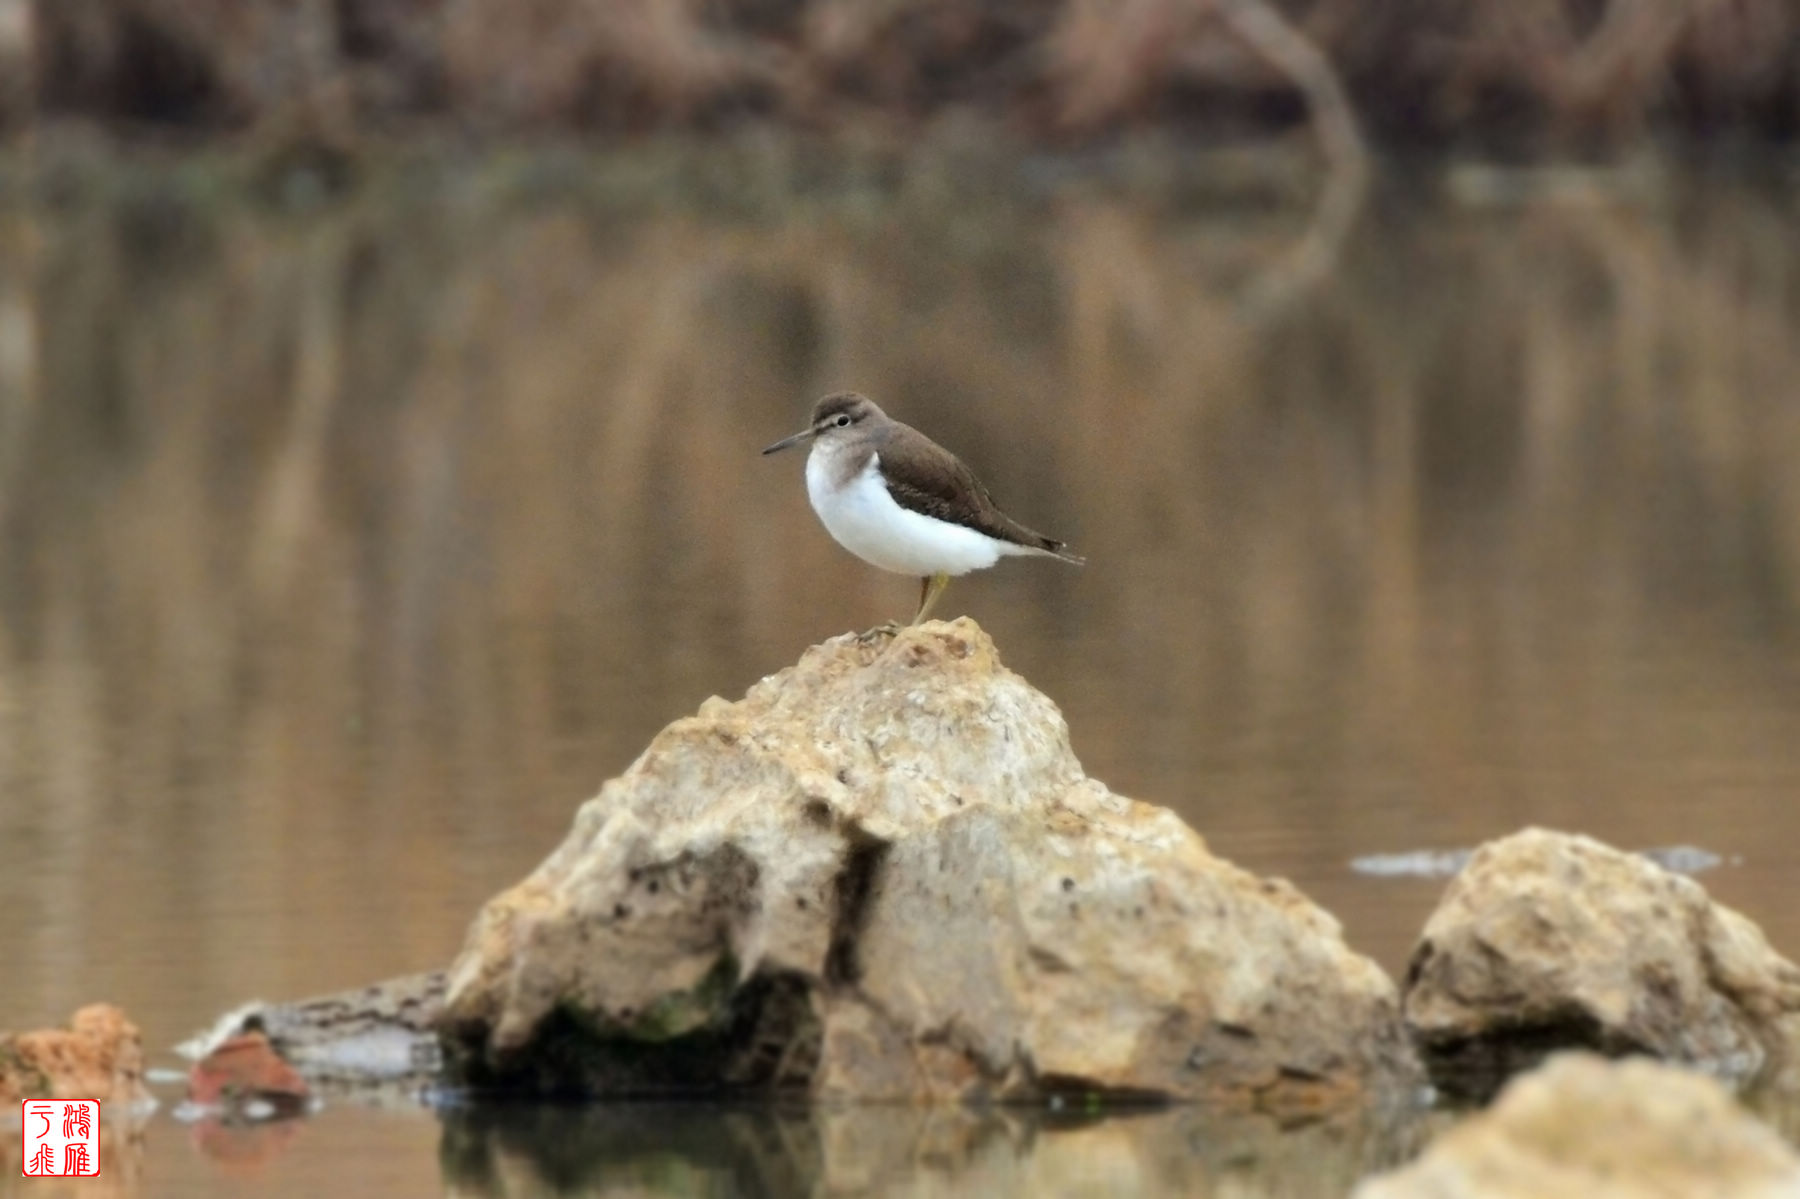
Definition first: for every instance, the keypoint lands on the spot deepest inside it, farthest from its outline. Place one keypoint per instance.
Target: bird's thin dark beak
(796, 439)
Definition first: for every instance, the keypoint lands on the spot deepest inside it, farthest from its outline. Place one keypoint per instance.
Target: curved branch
(1269, 35)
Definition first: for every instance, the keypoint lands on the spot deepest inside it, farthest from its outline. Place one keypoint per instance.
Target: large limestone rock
(883, 874)
(1587, 1128)
(1549, 941)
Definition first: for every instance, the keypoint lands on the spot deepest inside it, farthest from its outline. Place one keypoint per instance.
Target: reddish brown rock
(242, 1070)
(99, 1056)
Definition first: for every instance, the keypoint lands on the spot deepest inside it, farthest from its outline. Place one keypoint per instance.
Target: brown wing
(926, 478)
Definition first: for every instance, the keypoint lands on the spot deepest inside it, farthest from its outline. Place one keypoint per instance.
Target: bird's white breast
(864, 519)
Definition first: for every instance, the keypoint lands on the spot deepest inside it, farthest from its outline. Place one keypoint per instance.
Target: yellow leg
(929, 589)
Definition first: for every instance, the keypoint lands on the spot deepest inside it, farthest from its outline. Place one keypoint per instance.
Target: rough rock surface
(883, 874)
(1549, 941)
(1583, 1127)
(99, 1056)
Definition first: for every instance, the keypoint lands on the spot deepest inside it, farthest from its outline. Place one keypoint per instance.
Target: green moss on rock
(20, 1079)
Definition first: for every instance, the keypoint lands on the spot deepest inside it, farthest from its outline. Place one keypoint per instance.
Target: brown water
(344, 551)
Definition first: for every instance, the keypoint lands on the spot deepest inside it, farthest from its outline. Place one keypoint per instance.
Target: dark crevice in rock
(763, 1039)
(852, 891)
(1069, 1090)
(1471, 1069)
(1416, 964)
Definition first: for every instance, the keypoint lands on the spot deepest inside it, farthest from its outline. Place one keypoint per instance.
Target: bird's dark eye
(842, 420)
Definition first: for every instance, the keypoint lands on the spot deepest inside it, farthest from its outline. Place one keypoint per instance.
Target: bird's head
(835, 416)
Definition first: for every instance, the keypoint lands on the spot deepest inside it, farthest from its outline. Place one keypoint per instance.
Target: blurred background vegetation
(1522, 74)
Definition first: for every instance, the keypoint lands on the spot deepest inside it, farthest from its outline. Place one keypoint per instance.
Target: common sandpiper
(900, 501)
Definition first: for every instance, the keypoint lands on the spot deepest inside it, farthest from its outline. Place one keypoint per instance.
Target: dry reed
(1559, 72)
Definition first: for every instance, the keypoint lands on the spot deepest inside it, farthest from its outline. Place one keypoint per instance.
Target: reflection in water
(120, 1156)
(342, 556)
(685, 1151)
(244, 1151)
(1446, 863)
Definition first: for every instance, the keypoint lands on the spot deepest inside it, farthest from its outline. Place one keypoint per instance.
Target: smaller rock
(372, 1038)
(243, 1076)
(1588, 1128)
(99, 1056)
(1548, 941)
